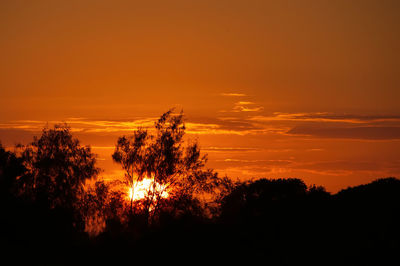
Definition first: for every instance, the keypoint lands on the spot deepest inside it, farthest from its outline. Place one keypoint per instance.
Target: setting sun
(142, 189)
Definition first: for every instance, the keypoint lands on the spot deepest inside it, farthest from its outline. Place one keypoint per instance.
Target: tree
(57, 168)
(162, 156)
(11, 168)
(102, 207)
(263, 200)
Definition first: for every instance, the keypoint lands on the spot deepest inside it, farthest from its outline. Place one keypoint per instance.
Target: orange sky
(306, 89)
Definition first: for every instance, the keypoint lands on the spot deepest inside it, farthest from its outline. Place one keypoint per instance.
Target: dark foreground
(268, 222)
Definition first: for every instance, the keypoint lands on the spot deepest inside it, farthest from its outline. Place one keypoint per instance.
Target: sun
(142, 189)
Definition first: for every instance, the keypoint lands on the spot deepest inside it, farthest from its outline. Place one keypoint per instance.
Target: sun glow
(145, 187)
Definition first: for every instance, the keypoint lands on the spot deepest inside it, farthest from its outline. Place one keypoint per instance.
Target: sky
(275, 89)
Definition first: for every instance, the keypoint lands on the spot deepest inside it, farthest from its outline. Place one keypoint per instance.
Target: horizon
(225, 160)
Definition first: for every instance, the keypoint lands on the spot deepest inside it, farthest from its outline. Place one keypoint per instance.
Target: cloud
(228, 126)
(244, 103)
(346, 167)
(252, 171)
(240, 108)
(326, 117)
(363, 132)
(230, 149)
(208, 126)
(319, 125)
(83, 124)
(342, 165)
(330, 125)
(315, 149)
(257, 162)
(232, 94)
(244, 106)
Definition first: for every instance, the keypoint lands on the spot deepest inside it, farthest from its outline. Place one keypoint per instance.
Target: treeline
(56, 210)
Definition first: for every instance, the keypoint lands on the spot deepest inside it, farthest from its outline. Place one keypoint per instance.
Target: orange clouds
(313, 124)
(313, 146)
(233, 94)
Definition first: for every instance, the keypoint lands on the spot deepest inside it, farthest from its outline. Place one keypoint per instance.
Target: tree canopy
(57, 167)
(162, 155)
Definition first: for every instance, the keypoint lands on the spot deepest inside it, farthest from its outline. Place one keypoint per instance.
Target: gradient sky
(307, 89)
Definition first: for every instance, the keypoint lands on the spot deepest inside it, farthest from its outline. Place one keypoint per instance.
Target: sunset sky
(306, 89)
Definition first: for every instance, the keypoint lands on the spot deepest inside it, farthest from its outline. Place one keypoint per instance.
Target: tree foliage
(162, 155)
(11, 169)
(57, 167)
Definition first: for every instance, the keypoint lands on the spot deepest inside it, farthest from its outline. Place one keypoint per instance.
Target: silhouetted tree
(261, 196)
(368, 217)
(57, 168)
(11, 169)
(102, 207)
(162, 156)
(39, 189)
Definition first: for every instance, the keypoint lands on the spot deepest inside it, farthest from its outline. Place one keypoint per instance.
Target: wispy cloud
(244, 103)
(232, 94)
(364, 132)
(246, 106)
(230, 149)
(319, 125)
(325, 117)
(282, 168)
(84, 124)
(241, 108)
(252, 171)
(117, 127)
(257, 162)
(330, 125)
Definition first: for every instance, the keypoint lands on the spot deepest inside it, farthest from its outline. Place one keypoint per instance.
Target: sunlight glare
(142, 188)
